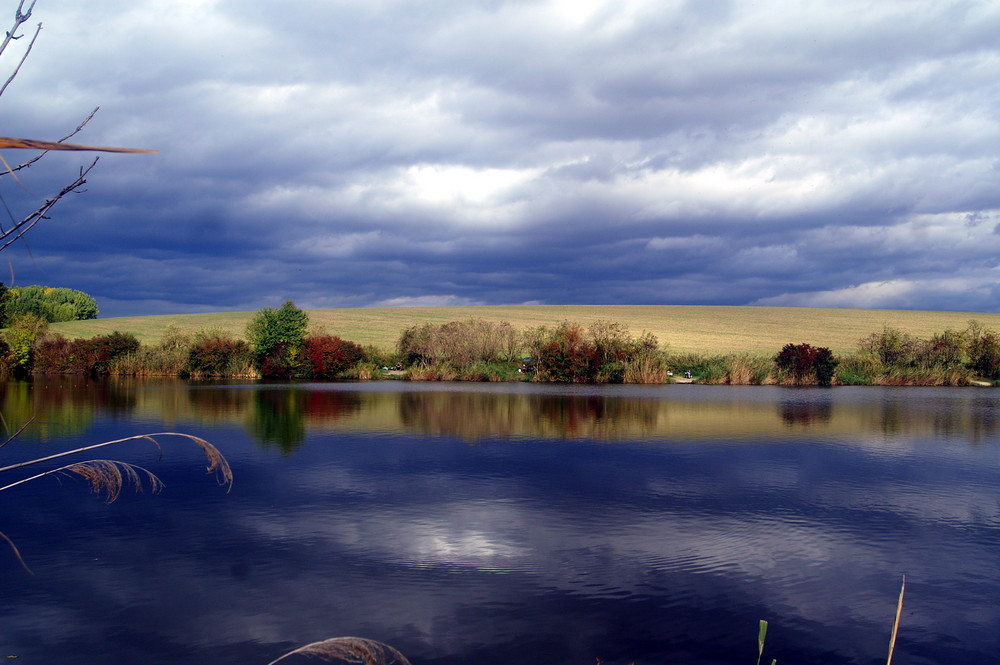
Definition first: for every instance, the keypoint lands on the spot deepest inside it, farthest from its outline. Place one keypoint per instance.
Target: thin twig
(24, 57)
(19, 19)
(22, 227)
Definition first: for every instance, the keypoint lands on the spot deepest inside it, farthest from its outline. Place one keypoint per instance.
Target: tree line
(278, 343)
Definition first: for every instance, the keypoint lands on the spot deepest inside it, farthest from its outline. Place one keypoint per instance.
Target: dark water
(511, 524)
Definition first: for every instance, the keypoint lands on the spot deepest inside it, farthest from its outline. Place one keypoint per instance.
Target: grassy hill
(683, 328)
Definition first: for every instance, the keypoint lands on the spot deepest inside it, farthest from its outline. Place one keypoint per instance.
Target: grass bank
(681, 328)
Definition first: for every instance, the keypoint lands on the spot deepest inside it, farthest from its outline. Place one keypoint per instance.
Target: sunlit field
(682, 328)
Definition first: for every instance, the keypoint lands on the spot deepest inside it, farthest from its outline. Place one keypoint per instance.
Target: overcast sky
(399, 152)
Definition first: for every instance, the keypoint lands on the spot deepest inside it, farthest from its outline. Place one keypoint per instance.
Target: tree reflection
(806, 413)
(277, 419)
(280, 416)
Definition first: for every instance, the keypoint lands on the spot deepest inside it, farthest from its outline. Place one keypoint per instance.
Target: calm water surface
(510, 524)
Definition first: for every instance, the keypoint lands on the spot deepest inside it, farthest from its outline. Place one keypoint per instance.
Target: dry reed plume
(217, 463)
(110, 476)
(350, 650)
(104, 475)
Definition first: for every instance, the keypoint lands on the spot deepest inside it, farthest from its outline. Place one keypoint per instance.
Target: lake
(509, 523)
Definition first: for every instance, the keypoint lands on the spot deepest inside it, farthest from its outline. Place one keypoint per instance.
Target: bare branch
(19, 19)
(23, 226)
(24, 57)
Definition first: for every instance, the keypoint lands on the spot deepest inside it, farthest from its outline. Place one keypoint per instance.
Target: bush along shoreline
(279, 344)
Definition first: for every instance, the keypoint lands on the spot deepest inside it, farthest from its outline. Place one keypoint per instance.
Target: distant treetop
(53, 304)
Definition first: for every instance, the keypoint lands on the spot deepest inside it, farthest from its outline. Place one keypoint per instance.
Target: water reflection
(653, 525)
(280, 416)
(806, 413)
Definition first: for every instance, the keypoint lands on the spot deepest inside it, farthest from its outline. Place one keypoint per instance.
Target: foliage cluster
(279, 348)
(215, 354)
(53, 304)
(19, 343)
(953, 357)
(460, 343)
(604, 353)
(806, 363)
(330, 356)
(277, 337)
(94, 356)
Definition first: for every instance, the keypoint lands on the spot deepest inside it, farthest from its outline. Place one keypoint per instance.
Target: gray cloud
(502, 152)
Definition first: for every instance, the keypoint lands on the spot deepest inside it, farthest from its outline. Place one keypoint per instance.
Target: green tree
(278, 339)
(54, 304)
(22, 333)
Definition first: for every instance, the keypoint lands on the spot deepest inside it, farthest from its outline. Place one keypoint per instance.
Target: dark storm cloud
(353, 154)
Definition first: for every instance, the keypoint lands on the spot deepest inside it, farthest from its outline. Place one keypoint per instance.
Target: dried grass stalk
(32, 144)
(217, 463)
(357, 650)
(895, 624)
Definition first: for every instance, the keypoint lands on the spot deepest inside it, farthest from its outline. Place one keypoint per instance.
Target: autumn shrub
(983, 350)
(215, 353)
(460, 343)
(604, 353)
(564, 354)
(169, 357)
(54, 354)
(330, 356)
(891, 346)
(806, 364)
(93, 356)
(945, 350)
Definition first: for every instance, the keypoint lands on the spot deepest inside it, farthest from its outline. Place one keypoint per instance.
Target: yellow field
(682, 328)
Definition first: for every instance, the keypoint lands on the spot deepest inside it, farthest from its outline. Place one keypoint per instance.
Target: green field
(682, 328)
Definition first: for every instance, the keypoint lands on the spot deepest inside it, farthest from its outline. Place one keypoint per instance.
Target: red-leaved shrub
(330, 355)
